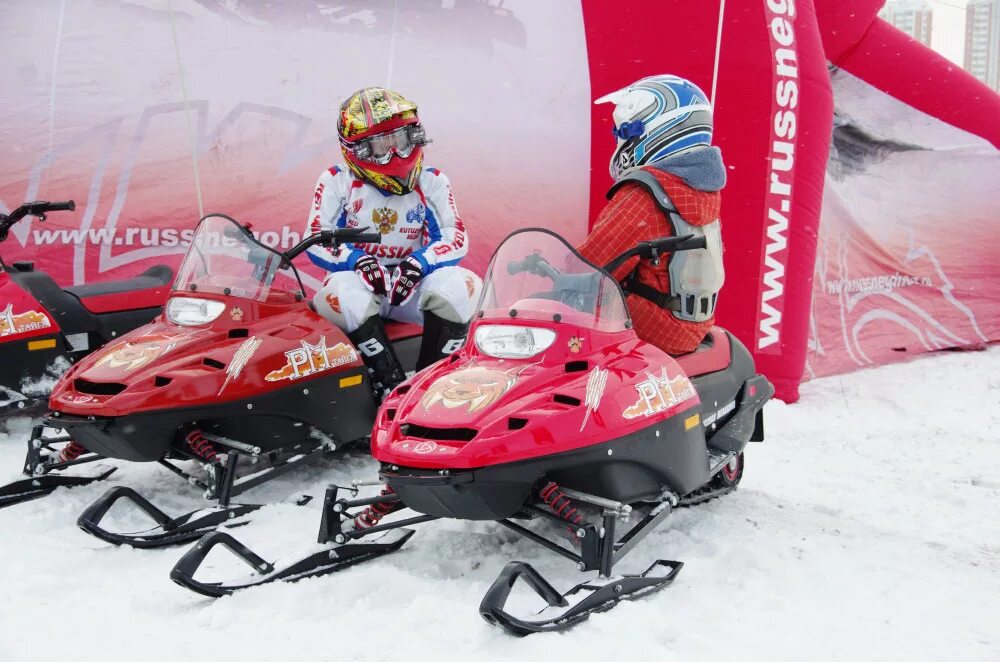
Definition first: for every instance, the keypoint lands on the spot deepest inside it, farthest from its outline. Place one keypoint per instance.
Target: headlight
(513, 342)
(187, 311)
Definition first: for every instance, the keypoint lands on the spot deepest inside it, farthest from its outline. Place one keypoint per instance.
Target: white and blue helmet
(655, 117)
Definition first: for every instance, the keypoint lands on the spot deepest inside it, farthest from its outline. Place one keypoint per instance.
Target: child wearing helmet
(412, 275)
(668, 180)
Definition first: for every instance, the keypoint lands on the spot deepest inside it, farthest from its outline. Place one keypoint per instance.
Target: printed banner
(95, 112)
(907, 258)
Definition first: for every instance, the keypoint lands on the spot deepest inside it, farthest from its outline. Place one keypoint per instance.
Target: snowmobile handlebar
(650, 250)
(534, 264)
(333, 238)
(537, 265)
(38, 208)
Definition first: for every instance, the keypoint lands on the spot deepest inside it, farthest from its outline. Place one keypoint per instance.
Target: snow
(865, 528)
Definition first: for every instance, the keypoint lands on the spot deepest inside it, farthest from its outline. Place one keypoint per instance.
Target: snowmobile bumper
(476, 494)
(139, 438)
(576, 605)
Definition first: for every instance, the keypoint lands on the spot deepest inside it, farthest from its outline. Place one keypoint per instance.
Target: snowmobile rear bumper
(746, 424)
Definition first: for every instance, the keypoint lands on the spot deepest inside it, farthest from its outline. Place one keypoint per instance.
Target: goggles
(381, 147)
(628, 130)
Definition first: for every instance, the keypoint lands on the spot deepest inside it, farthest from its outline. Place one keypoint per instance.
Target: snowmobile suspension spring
(560, 504)
(201, 446)
(71, 451)
(371, 515)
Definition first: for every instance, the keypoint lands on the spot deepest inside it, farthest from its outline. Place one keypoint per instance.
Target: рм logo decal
(309, 359)
(659, 393)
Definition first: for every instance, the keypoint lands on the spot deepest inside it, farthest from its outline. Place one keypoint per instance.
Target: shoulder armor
(648, 181)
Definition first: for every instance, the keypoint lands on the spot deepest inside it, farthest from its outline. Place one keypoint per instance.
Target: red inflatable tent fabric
(773, 112)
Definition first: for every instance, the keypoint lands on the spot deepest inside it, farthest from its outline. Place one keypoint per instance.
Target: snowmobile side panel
(269, 420)
(631, 468)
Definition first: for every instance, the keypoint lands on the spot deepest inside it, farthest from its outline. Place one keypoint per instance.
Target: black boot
(379, 356)
(440, 339)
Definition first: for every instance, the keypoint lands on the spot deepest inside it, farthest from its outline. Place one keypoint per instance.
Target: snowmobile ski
(43, 475)
(28, 489)
(168, 530)
(576, 605)
(327, 560)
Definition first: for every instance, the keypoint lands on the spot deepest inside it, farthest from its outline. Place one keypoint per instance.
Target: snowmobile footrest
(33, 488)
(566, 610)
(168, 530)
(329, 559)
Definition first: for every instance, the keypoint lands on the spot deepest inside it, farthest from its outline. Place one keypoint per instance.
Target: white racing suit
(423, 224)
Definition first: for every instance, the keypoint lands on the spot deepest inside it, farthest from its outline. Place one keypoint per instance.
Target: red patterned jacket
(632, 216)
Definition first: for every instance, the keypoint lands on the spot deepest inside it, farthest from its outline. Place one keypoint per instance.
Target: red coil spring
(70, 452)
(560, 504)
(371, 515)
(201, 446)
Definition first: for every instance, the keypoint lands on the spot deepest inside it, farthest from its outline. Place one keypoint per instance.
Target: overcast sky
(948, 29)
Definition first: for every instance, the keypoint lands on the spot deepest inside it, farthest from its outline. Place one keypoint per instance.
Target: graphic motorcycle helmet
(382, 139)
(655, 117)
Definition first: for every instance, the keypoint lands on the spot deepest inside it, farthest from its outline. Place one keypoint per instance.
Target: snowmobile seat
(713, 354)
(397, 331)
(147, 290)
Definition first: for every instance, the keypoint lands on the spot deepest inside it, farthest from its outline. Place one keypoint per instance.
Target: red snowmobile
(555, 411)
(44, 327)
(239, 372)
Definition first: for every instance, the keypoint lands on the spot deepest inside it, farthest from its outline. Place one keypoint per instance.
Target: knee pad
(345, 302)
(451, 293)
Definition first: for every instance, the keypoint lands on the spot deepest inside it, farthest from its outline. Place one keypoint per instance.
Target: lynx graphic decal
(473, 387)
(140, 352)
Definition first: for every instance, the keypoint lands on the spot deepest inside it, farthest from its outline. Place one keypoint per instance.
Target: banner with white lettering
(908, 243)
(118, 105)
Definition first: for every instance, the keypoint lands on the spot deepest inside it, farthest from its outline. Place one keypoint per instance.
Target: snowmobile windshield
(224, 258)
(536, 275)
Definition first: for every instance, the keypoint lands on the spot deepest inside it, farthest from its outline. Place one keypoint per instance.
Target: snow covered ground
(866, 528)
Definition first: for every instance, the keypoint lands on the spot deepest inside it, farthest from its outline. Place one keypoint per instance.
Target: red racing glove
(404, 281)
(372, 274)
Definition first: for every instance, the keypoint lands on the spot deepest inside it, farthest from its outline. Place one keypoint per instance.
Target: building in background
(915, 18)
(982, 41)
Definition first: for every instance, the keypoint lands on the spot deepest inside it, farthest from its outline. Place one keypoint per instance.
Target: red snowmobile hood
(251, 348)
(475, 410)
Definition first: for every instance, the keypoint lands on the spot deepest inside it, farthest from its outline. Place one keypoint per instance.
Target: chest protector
(696, 276)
